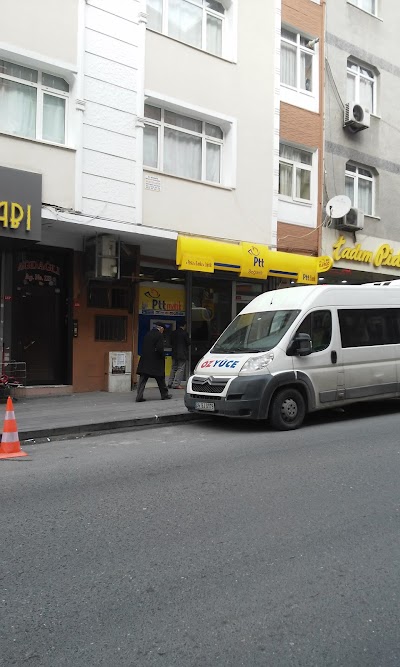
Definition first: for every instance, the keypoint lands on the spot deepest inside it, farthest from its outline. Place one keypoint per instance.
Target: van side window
(318, 326)
(367, 327)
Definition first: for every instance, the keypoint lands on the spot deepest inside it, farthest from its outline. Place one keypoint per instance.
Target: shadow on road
(355, 411)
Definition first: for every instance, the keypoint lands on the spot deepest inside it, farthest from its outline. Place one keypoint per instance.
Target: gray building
(362, 138)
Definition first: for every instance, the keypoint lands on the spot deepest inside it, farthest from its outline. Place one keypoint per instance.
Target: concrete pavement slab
(96, 411)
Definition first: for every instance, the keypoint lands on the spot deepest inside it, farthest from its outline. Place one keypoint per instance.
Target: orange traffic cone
(10, 445)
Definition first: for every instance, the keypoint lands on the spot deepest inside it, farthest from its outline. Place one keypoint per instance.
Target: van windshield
(255, 332)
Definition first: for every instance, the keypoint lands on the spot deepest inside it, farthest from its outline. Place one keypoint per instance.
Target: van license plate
(208, 407)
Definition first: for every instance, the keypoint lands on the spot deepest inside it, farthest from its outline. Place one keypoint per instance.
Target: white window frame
(358, 76)
(206, 139)
(41, 91)
(206, 11)
(356, 176)
(295, 166)
(299, 49)
(359, 4)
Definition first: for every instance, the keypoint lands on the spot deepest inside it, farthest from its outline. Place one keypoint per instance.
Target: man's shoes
(179, 387)
(164, 398)
(140, 400)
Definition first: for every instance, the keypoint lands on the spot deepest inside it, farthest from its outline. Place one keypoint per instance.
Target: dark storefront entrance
(41, 320)
(216, 300)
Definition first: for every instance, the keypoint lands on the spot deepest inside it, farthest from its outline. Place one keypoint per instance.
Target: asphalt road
(205, 544)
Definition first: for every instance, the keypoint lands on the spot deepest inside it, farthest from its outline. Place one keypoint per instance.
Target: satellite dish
(338, 207)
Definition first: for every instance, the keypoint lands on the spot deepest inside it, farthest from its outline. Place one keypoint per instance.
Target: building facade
(362, 139)
(143, 178)
(301, 126)
(210, 111)
(68, 154)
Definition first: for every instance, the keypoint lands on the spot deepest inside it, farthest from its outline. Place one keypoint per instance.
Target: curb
(27, 436)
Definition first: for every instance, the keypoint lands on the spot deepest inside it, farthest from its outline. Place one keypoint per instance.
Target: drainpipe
(321, 175)
(142, 20)
(80, 104)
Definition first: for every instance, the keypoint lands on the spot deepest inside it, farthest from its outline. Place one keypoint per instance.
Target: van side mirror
(300, 346)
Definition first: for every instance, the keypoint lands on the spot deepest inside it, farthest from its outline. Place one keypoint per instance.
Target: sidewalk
(81, 414)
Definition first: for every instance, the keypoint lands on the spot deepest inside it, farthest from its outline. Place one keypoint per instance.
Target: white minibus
(297, 350)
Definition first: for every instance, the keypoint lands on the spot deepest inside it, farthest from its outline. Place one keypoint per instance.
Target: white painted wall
(109, 88)
(57, 166)
(245, 92)
(46, 27)
(43, 35)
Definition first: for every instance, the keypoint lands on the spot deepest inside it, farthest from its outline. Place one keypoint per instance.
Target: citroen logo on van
(208, 380)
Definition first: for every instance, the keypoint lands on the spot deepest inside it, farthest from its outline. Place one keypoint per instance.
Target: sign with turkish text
(161, 299)
(43, 274)
(383, 256)
(20, 204)
(254, 261)
(197, 263)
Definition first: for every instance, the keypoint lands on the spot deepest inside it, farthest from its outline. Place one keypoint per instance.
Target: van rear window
(369, 326)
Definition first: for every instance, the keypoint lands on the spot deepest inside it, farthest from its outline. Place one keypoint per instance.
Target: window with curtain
(199, 23)
(361, 85)
(359, 186)
(370, 6)
(33, 104)
(295, 166)
(182, 146)
(296, 61)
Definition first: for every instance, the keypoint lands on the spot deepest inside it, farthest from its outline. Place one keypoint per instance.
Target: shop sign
(196, 263)
(384, 255)
(20, 204)
(308, 278)
(162, 300)
(33, 272)
(254, 261)
(250, 260)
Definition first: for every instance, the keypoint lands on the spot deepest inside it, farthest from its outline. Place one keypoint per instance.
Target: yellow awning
(249, 260)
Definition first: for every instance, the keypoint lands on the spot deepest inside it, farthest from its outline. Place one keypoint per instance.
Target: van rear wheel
(288, 410)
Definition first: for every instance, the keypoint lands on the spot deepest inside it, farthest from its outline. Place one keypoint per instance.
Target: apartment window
(33, 104)
(199, 23)
(361, 85)
(182, 146)
(369, 6)
(295, 166)
(359, 186)
(296, 61)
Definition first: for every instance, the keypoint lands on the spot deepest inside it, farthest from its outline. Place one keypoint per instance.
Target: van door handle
(333, 357)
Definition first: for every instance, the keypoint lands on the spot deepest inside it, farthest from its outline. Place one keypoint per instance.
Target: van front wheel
(287, 410)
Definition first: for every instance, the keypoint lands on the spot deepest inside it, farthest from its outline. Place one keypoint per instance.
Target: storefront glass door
(244, 293)
(211, 313)
(40, 320)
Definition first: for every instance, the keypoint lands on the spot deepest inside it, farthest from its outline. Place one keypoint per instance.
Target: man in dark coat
(180, 342)
(152, 363)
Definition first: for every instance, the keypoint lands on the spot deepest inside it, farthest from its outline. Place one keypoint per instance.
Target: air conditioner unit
(353, 221)
(103, 257)
(356, 117)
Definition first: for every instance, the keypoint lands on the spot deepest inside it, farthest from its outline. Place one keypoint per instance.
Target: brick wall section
(300, 126)
(304, 127)
(292, 238)
(305, 15)
(89, 356)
